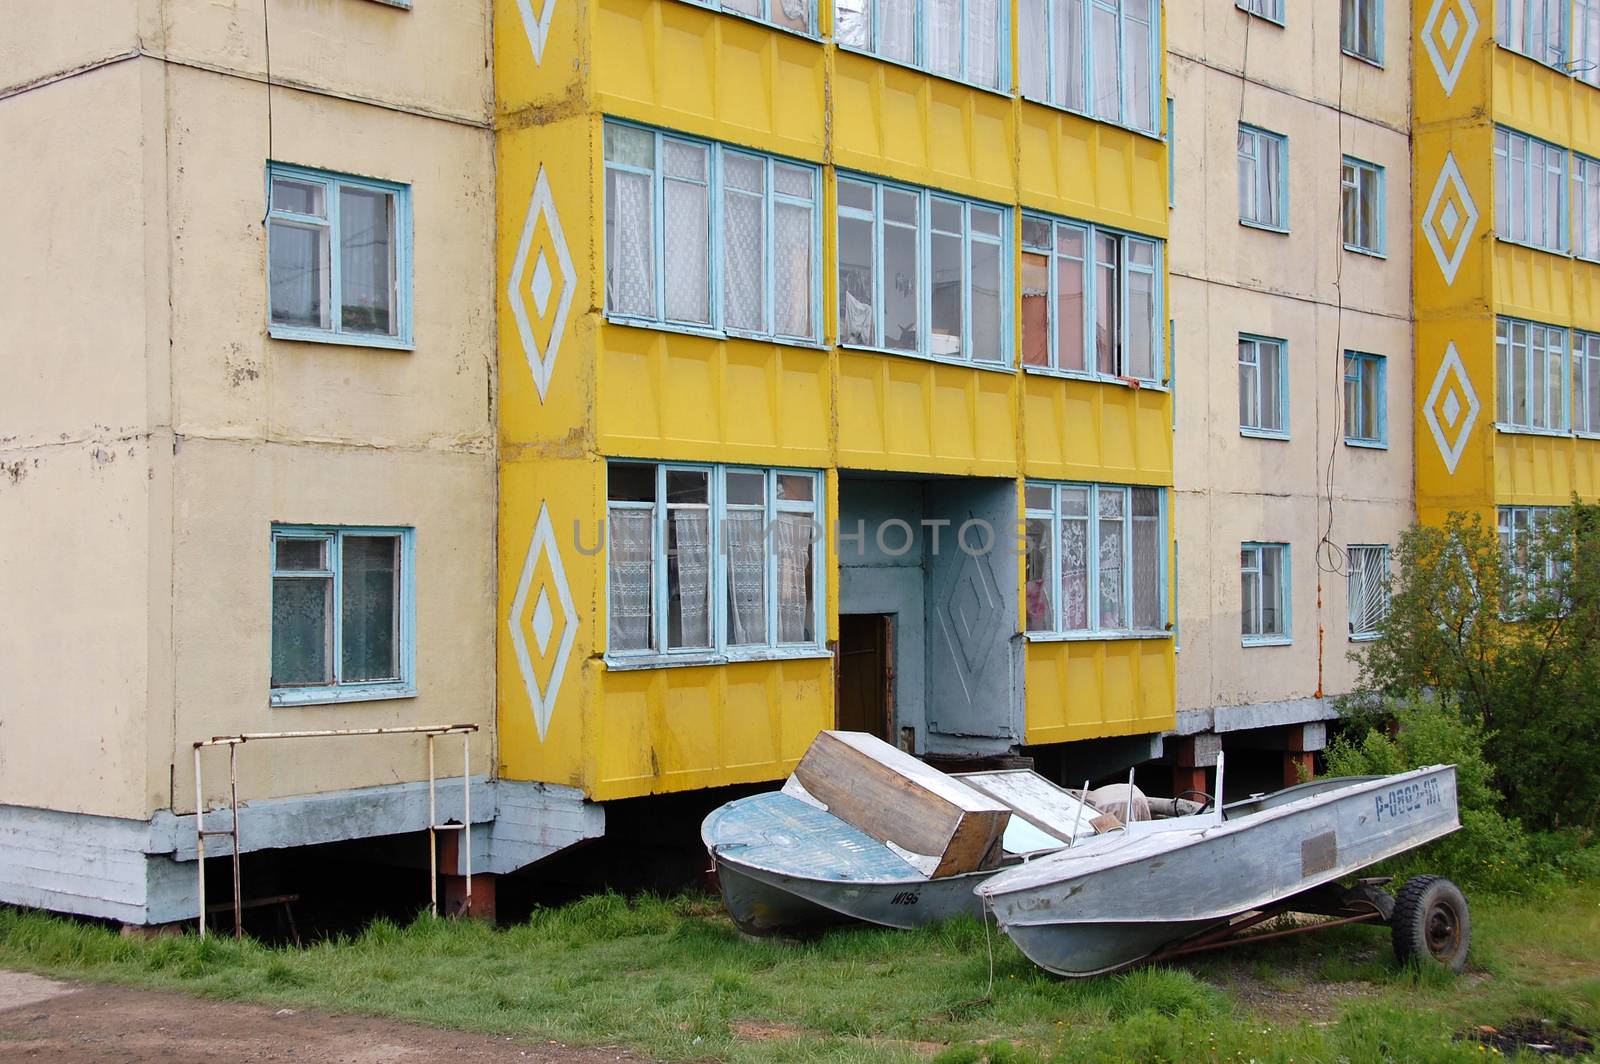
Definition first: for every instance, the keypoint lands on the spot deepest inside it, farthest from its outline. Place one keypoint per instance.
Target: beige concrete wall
(430, 57)
(80, 474)
(1304, 287)
(285, 431)
(151, 432)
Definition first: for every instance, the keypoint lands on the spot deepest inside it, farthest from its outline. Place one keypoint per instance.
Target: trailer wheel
(1431, 922)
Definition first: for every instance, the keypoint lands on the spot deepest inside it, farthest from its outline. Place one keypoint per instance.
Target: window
(1586, 383)
(342, 614)
(1536, 28)
(1520, 529)
(1090, 300)
(1268, 9)
(1369, 589)
(968, 40)
(681, 213)
(1264, 592)
(1586, 40)
(1361, 205)
(1530, 190)
(1531, 361)
(1586, 205)
(1096, 57)
(794, 15)
(1263, 387)
(1361, 29)
(1096, 559)
(1365, 412)
(339, 258)
(712, 560)
(1263, 190)
(923, 273)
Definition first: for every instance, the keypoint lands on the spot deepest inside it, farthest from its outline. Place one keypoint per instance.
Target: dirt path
(43, 1020)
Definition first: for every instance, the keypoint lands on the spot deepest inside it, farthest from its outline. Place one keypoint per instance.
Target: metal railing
(233, 742)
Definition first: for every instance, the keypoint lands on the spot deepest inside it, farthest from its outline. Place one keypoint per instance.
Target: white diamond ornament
(1451, 438)
(542, 544)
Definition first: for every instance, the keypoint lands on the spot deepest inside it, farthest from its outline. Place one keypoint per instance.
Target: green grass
(672, 979)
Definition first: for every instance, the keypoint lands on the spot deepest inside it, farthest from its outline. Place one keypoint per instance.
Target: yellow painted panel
(520, 81)
(915, 127)
(921, 416)
(686, 68)
(1471, 149)
(1585, 294)
(678, 729)
(1532, 470)
(561, 231)
(1532, 97)
(1094, 688)
(548, 538)
(671, 395)
(1083, 169)
(1085, 430)
(1468, 485)
(1532, 284)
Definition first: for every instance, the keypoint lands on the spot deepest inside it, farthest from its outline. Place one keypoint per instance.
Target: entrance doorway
(866, 674)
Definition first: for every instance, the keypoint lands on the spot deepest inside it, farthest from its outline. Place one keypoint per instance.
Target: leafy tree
(1510, 635)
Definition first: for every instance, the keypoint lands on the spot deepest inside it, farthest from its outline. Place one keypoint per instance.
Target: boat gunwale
(1183, 840)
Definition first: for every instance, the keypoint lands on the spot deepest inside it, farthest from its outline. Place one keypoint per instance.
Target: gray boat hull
(765, 902)
(1119, 898)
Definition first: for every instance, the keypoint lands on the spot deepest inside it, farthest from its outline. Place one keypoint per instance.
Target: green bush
(1491, 852)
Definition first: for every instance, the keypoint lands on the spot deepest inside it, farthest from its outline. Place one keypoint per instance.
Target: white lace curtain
(794, 534)
(691, 529)
(747, 577)
(628, 572)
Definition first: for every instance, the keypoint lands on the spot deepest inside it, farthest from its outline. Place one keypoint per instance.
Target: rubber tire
(1431, 922)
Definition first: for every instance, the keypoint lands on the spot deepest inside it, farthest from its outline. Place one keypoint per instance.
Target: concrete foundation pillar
(1191, 756)
(453, 900)
(1298, 766)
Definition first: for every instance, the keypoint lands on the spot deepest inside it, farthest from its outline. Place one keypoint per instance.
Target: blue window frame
(1530, 191)
(1531, 377)
(343, 614)
(1264, 593)
(1366, 416)
(1172, 154)
(967, 40)
(1271, 10)
(1263, 386)
(712, 562)
(339, 258)
(1361, 30)
(1586, 41)
(1586, 384)
(1095, 57)
(1538, 29)
(923, 273)
(1263, 179)
(1361, 201)
(796, 16)
(712, 239)
(1096, 560)
(1586, 204)
(1091, 301)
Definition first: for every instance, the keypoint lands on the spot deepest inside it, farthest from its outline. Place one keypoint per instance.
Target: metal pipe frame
(233, 742)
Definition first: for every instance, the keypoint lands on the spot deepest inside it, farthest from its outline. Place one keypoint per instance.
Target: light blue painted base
(142, 871)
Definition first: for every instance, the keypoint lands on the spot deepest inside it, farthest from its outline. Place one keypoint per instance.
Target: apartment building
(1507, 133)
(1291, 297)
(248, 438)
(649, 384)
(876, 285)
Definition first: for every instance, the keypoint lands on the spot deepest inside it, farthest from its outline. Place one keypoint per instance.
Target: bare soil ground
(45, 1020)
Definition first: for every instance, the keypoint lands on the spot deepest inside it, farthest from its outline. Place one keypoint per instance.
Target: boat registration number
(1401, 801)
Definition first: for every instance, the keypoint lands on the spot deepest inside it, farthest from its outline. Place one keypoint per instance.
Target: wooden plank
(937, 824)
